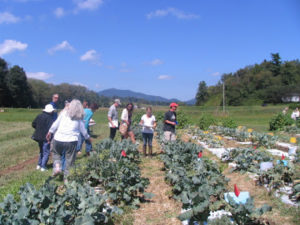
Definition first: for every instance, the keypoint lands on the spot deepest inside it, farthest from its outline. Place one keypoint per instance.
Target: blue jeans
(44, 153)
(88, 144)
(147, 138)
(63, 160)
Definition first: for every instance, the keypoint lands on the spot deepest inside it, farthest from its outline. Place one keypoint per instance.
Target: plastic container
(292, 150)
(285, 163)
(264, 166)
(242, 199)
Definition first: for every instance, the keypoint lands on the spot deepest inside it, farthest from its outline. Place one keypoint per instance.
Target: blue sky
(159, 47)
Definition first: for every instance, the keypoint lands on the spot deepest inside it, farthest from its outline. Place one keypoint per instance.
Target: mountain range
(113, 92)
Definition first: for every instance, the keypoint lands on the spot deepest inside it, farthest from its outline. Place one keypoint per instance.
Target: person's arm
(142, 120)
(53, 128)
(87, 121)
(166, 120)
(34, 122)
(83, 131)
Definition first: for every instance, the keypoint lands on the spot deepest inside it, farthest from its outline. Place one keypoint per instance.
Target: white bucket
(264, 166)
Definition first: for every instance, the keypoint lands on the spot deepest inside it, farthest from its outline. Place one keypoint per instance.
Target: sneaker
(38, 167)
(43, 169)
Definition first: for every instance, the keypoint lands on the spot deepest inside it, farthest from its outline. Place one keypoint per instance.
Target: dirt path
(162, 210)
(18, 167)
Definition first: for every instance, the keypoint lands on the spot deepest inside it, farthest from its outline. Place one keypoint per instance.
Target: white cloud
(165, 77)
(59, 12)
(155, 62)
(9, 46)
(7, 17)
(216, 74)
(98, 86)
(39, 75)
(64, 46)
(80, 84)
(91, 56)
(173, 12)
(88, 4)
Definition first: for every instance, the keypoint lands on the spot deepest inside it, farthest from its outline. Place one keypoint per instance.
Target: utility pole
(223, 96)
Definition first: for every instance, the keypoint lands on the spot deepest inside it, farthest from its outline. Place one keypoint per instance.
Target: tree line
(19, 92)
(257, 84)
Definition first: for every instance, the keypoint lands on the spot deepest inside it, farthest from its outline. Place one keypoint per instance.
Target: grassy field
(18, 153)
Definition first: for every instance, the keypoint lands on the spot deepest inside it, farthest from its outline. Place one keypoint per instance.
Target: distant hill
(191, 102)
(113, 92)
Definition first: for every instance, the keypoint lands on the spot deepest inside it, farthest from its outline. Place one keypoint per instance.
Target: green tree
(276, 64)
(20, 93)
(202, 93)
(4, 92)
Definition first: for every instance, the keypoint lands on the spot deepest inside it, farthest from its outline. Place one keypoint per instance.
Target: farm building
(291, 97)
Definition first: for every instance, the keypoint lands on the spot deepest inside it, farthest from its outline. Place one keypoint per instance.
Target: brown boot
(150, 151)
(144, 150)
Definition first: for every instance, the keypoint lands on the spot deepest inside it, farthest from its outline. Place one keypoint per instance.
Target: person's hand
(48, 137)
(174, 123)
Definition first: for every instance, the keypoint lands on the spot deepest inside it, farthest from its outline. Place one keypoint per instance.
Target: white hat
(48, 108)
(118, 101)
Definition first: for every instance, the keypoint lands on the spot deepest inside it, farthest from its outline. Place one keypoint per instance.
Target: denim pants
(88, 144)
(147, 138)
(70, 153)
(44, 153)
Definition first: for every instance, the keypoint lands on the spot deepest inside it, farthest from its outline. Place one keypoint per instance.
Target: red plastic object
(123, 153)
(200, 155)
(236, 191)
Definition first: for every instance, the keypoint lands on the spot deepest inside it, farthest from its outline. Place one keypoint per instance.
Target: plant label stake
(199, 155)
(236, 191)
(123, 153)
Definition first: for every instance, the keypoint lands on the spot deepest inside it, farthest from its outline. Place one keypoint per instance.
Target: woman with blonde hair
(67, 129)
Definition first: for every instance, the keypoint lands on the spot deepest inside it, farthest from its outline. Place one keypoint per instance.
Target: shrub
(206, 121)
(229, 122)
(182, 120)
(280, 121)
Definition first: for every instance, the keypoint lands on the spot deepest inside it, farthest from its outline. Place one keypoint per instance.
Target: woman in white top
(149, 124)
(126, 118)
(67, 129)
(295, 114)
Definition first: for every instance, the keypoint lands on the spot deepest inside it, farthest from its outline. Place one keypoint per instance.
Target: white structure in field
(291, 97)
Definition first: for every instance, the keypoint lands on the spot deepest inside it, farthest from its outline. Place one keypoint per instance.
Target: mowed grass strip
(13, 152)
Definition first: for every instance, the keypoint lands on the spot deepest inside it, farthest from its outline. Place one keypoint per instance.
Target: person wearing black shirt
(170, 122)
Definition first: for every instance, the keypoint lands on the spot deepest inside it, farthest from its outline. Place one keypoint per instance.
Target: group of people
(295, 114)
(63, 134)
(148, 123)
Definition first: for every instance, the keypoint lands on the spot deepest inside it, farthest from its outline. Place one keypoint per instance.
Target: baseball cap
(48, 108)
(173, 104)
(118, 101)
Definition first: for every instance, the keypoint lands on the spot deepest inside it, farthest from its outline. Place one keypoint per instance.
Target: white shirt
(148, 123)
(124, 115)
(294, 115)
(67, 130)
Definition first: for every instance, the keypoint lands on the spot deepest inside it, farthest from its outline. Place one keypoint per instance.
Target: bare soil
(162, 209)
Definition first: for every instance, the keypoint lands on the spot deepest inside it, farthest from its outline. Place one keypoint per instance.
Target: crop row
(199, 184)
(96, 189)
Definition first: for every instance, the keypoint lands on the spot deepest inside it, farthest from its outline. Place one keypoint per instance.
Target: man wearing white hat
(42, 124)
